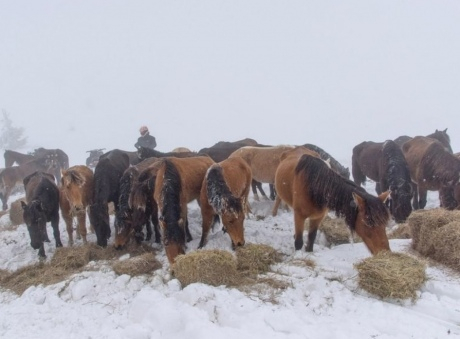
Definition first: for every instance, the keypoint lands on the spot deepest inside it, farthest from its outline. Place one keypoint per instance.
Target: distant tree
(12, 137)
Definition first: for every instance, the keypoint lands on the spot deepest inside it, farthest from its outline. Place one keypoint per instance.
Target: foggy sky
(87, 74)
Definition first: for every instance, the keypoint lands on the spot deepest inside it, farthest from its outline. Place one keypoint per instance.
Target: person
(145, 140)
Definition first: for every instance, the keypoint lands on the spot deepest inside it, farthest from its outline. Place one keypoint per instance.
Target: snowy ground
(323, 302)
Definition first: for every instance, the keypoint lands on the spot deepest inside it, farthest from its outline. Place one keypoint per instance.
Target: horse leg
(272, 192)
(148, 228)
(207, 217)
(312, 231)
(415, 204)
(378, 188)
(299, 224)
(276, 206)
(68, 223)
(41, 252)
(422, 193)
(156, 225)
(188, 235)
(55, 225)
(254, 190)
(81, 226)
(5, 196)
(261, 190)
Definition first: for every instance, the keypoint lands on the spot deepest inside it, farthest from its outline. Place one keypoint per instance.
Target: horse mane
(74, 176)
(438, 163)
(329, 190)
(395, 166)
(343, 171)
(219, 195)
(170, 196)
(443, 138)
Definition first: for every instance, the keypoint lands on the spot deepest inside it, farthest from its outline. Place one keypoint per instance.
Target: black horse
(42, 196)
(384, 162)
(107, 174)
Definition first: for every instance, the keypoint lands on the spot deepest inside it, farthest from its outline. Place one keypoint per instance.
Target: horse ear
(358, 200)
(384, 196)
(445, 130)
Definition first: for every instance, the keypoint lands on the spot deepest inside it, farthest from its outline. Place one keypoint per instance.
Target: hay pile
(141, 264)
(253, 259)
(391, 275)
(436, 234)
(336, 231)
(16, 212)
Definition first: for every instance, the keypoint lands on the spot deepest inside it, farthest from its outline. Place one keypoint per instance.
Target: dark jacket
(146, 140)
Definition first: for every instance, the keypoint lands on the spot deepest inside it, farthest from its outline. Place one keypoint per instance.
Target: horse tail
(358, 176)
(219, 195)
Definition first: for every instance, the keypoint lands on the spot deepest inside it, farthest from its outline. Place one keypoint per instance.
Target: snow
(320, 302)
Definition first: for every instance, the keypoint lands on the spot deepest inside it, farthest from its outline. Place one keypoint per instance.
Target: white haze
(79, 75)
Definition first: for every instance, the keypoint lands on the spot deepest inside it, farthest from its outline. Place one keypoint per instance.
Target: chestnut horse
(11, 176)
(441, 136)
(177, 183)
(42, 197)
(128, 219)
(76, 194)
(311, 188)
(384, 163)
(225, 194)
(107, 174)
(432, 167)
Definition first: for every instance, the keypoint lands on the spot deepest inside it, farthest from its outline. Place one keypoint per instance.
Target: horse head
(35, 219)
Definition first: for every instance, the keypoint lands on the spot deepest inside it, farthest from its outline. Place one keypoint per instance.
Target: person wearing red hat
(145, 140)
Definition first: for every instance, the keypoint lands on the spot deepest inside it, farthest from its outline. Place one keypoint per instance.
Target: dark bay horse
(61, 159)
(42, 197)
(335, 165)
(432, 167)
(107, 175)
(93, 157)
(441, 136)
(311, 188)
(11, 176)
(222, 150)
(131, 218)
(384, 163)
(12, 157)
(225, 194)
(177, 183)
(76, 195)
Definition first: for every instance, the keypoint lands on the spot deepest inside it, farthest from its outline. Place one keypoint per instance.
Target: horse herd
(151, 188)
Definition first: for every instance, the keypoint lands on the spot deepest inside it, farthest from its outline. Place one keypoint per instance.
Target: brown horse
(42, 196)
(290, 157)
(181, 149)
(177, 183)
(311, 188)
(441, 136)
(384, 163)
(225, 193)
(12, 157)
(11, 176)
(432, 168)
(76, 194)
(131, 218)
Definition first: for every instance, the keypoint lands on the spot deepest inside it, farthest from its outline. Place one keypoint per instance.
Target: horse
(292, 155)
(432, 167)
(335, 165)
(384, 163)
(128, 218)
(11, 176)
(181, 149)
(311, 188)
(107, 174)
(441, 136)
(41, 206)
(145, 153)
(177, 183)
(224, 193)
(60, 157)
(93, 157)
(75, 195)
(12, 157)
(222, 150)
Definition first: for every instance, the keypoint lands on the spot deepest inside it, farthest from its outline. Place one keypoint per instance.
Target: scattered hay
(71, 257)
(307, 262)
(142, 264)
(391, 275)
(446, 242)
(336, 231)
(402, 231)
(16, 212)
(254, 259)
(212, 267)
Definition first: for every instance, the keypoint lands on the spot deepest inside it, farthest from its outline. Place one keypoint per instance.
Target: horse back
(41, 186)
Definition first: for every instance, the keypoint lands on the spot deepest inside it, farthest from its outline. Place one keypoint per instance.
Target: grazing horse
(335, 165)
(222, 150)
(311, 188)
(107, 175)
(42, 197)
(441, 136)
(128, 217)
(432, 167)
(12, 157)
(225, 194)
(75, 195)
(384, 162)
(11, 176)
(177, 183)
